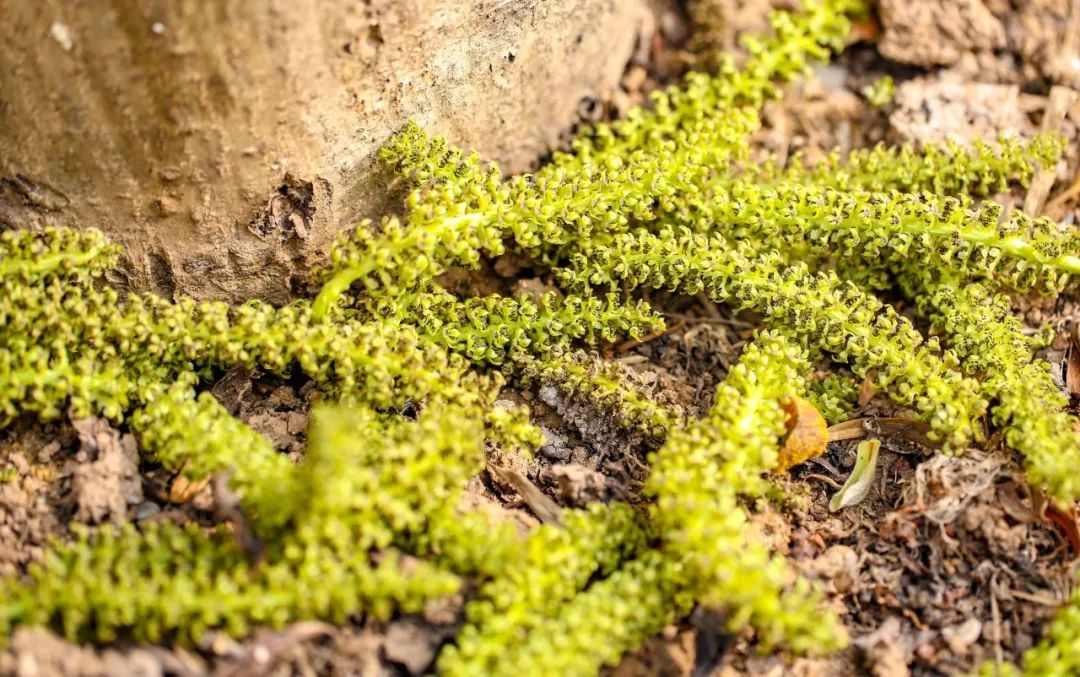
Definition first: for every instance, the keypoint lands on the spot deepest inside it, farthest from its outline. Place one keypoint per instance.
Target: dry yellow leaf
(808, 433)
(183, 489)
(45, 473)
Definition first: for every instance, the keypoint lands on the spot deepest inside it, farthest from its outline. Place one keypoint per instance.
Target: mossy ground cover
(347, 460)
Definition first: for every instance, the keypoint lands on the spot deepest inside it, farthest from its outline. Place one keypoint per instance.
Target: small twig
(995, 614)
(820, 460)
(1056, 204)
(262, 654)
(856, 428)
(1061, 98)
(1038, 599)
(227, 509)
(634, 343)
(694, 319)
(545, 509)
(709, 306)
(823, 478)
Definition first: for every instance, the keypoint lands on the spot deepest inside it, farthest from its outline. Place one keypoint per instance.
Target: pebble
(554, 445)
(146, 510)
(549, 396)
(960, 637)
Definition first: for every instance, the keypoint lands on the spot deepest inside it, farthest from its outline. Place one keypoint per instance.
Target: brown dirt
(105, 480)
(33, 496)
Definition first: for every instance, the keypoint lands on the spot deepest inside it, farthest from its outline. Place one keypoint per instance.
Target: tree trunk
(224, 143)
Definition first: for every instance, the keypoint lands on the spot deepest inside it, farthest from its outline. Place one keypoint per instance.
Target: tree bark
(224, 143)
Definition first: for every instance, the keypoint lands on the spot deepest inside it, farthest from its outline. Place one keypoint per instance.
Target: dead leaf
(861, 480)
(808, 434)
(227, 509)
(1065, 518)
(1059, 102)
(1072, 364)
(184, 489)
(412, 645)
(1058, 206)
(863, 30)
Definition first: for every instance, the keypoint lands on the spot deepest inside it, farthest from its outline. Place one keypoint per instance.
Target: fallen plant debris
(807, 433)
(862, 476)
(406, 386)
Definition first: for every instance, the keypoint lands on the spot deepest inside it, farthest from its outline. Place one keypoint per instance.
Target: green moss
(554, 565)
(880, 92)
(852, 326)
(1027, 405)
(697, 478)
(163, 581)
(835, 396)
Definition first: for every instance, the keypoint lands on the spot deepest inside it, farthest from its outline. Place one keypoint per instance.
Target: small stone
(46, 452)
(19, 462)
(273, 426)
(296, 423)
(167, 206)
(578, 485)
(839, 564)
(509, 265)
(62, 34)
(929, 33)
(580, 455)
(533, 288)
(146, 510)
(409, 644)
(284, 395)
(634, 78)
(554, 445)
(549, 396)
(961, 637)
(260, 654)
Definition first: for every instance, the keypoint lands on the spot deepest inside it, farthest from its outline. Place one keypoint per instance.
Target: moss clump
(344, 512)
(834, 315)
